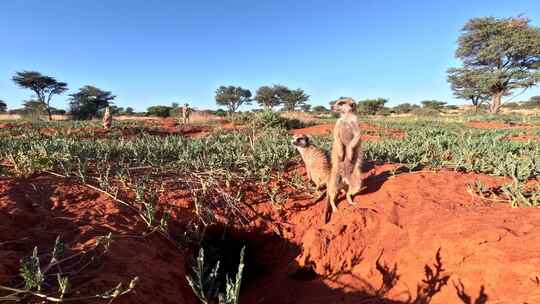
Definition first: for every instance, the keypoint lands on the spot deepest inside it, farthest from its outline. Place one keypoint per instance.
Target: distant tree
(464, 84)
(159, 111)
(451, 107)
(499, 56)
(269, 97)
(129, 111)
(292, 99)
(319, 109)
(3, 106)
(86, 103)
(175, 110)
(305, 107)
(511, 105)
(45, 87)
(33, 109)
(232, 97)
(371, 106)
(116, 110)
(404, 108)
(433, 104)
(533, 102)
(219, 112)
(56, 111)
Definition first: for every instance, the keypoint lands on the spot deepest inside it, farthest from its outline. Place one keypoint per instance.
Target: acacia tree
(499, 56)
(270, 97)
(3, 106)
(371, 106)
(320, 109)
(294, 99)
(45, 87)
(86, 103)
(464, 84)
(232, 97)
(433, 104)
(129, 111)
(405, 108)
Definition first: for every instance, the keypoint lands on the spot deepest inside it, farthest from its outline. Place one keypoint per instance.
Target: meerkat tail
(327, 213)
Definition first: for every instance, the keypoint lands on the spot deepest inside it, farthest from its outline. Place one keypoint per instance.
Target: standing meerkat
(316, 160)
(107, 118)
(186, 112)
(346, 155)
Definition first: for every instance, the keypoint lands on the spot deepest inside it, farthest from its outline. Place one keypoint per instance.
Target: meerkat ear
(353, 106)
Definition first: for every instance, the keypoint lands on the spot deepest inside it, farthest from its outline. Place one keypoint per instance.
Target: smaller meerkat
(316, 160)
(107, 118)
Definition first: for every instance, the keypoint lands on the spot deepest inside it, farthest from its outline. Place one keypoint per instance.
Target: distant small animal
(107, 118)
(316, 160)
(346, 156)
(186, 113)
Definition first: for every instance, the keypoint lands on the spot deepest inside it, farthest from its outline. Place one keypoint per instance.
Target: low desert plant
(206, 285)
(51, 283)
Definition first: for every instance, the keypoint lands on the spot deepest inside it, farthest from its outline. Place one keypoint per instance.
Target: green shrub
(271, 119)
(426, 112)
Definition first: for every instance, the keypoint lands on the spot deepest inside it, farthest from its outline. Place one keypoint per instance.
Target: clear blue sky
(150, 52)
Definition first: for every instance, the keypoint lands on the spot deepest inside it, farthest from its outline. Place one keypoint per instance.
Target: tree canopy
(464, 84)
(232, 97)
(533, 102)
(276, 95)
(433, 104)
(320, 109)
(270, 97)
(404, 108)
(159, 111)
(293, 99)
(498, 56)
(86, 103)
(3, 106)
(370, 106)
(45, 87)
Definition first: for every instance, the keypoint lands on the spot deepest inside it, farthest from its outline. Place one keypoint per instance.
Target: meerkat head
(344, 105)
(300, 141)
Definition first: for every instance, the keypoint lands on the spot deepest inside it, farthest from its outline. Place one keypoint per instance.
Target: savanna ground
(450, 213)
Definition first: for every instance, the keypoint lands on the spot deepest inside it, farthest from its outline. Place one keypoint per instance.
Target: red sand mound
(36, 211)
(485, 250)
(408, 219)
(374, 132)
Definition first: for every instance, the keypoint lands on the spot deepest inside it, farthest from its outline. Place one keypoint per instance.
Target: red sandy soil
(498, 125)
(523, 137)
(491, 249)
(128, 132)
(326, 129)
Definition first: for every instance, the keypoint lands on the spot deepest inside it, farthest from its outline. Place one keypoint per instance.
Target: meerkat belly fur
(316, 160)
(107, 118)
